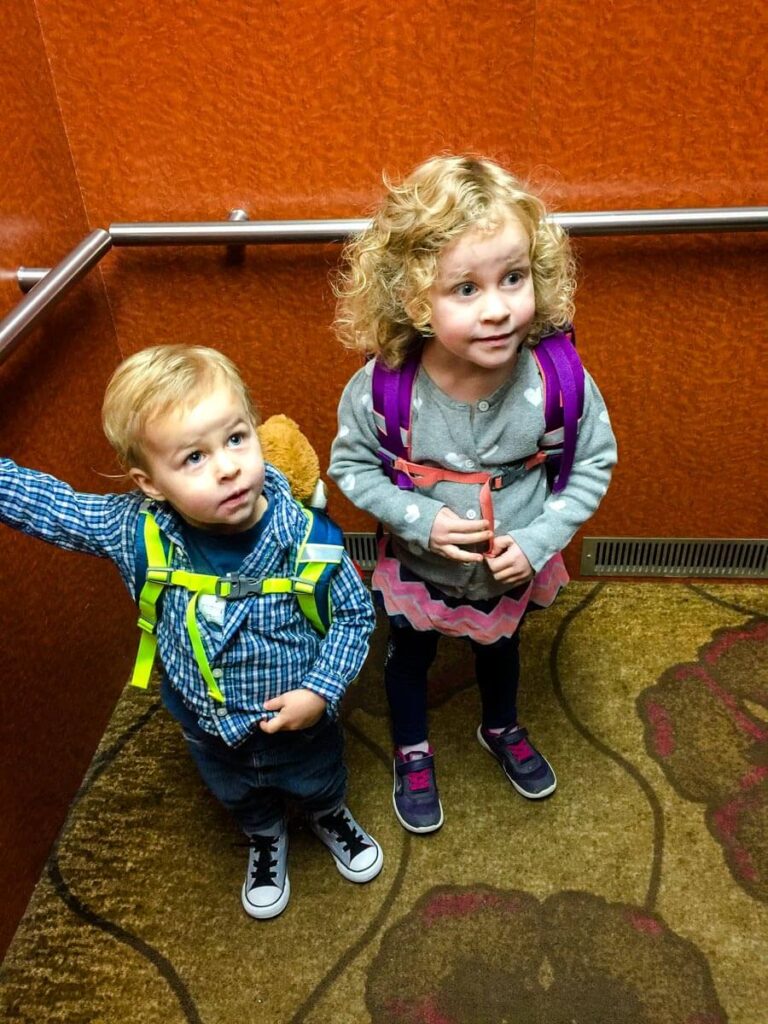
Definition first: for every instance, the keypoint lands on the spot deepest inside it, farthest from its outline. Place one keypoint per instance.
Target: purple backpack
(562, 376)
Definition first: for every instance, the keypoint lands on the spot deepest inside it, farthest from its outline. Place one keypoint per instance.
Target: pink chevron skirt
(422, 607)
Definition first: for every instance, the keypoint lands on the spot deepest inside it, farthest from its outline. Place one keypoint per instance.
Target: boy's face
(205, 460)
(482, 301)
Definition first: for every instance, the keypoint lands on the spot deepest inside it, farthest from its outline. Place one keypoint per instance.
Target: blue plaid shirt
(264, 646)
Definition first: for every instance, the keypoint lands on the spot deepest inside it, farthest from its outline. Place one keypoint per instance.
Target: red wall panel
(292, 110)
(62, 617)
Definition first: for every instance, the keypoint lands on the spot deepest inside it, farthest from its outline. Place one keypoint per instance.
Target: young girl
(461, 268)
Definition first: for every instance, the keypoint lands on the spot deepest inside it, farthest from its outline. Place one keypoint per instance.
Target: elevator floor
(636, 894)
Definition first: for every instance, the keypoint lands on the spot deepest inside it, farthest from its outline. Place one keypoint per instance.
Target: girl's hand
(297, 709)
(449, 531)
(508, 564)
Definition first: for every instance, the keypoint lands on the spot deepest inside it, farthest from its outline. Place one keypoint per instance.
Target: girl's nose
(494, 306)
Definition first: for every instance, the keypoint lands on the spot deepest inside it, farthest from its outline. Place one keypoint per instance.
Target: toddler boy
(258, 704)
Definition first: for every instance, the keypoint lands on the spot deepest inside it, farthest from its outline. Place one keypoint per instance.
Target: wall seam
(73, 165)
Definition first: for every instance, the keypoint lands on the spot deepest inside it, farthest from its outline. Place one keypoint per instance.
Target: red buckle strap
(427, 476)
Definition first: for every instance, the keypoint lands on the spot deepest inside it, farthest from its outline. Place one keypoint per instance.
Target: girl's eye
(235, 440)
(465, 289)
(514, 277)
(194, 458)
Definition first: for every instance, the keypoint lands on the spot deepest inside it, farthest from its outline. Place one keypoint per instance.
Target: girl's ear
(144, 482)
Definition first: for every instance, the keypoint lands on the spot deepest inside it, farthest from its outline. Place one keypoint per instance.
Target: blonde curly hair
(382, 289)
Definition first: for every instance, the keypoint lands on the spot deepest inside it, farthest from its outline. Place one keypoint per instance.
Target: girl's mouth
(495, 338)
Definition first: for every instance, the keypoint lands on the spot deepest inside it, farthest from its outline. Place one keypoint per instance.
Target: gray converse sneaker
(358, 856)
(266, 888)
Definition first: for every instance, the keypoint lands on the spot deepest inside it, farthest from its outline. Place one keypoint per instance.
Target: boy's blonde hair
(155, 380)
(383, 307)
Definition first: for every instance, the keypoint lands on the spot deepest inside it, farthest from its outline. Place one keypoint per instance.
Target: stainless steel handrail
(48, 286)
(53, 287)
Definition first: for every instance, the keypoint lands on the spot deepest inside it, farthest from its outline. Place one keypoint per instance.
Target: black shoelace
(340, 824)
(263, 868)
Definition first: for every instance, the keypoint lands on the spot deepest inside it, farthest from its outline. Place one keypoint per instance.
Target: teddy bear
(284, 445)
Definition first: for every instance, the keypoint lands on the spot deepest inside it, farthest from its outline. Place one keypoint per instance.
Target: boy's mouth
(237, 498)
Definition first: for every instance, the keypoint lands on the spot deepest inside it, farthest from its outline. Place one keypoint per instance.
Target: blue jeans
(255, 780)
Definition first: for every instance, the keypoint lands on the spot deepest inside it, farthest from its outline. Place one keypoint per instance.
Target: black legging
(409, 656)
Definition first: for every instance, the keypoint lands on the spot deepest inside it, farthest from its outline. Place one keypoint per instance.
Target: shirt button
(483, 406)
(469, 464)
(217, 673)
(471, 514)
(222, 712)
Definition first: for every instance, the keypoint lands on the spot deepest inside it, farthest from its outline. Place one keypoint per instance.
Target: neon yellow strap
(197, 582)
(309, 576)
(148, 598)
(287, 585)
(197, 646)
(161, 575)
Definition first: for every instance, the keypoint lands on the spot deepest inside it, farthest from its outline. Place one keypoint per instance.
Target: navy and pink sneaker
(528, 770)
(415, 797)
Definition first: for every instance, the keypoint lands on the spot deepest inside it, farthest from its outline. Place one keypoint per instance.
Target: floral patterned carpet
(636, 894)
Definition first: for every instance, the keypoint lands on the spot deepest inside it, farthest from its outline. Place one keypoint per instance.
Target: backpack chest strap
(427, 476)
(230, 588)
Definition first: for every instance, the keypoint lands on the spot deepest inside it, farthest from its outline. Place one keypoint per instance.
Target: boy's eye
(194, 458)
(235, 439)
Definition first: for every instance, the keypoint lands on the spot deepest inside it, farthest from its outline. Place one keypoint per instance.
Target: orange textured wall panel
(293, 110)
(62, 617)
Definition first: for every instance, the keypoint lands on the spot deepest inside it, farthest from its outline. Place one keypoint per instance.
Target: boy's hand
(508, 563)
(297, 709)
(450, 530)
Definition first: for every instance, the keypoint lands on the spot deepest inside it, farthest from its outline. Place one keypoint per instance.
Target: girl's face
(482, 300)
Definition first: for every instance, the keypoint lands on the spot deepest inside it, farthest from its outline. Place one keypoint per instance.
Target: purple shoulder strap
(392, 390)
(564, 395)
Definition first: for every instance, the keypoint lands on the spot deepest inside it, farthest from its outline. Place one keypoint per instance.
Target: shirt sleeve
(358, 471)
(345, 645)
(590, 475)
(44, 507)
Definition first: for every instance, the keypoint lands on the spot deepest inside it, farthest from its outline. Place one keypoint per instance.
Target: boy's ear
(144, 482)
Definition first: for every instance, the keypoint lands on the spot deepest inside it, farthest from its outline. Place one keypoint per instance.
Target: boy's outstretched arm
(42, 506)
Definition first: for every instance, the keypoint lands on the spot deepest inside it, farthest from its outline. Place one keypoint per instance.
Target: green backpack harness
(317, 557)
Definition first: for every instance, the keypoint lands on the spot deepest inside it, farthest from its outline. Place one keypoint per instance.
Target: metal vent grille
(674, 556)
(361, 548)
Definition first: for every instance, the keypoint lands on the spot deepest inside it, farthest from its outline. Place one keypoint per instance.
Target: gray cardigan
(473, 436)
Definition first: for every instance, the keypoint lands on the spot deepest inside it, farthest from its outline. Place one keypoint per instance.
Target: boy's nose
(226, 464)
